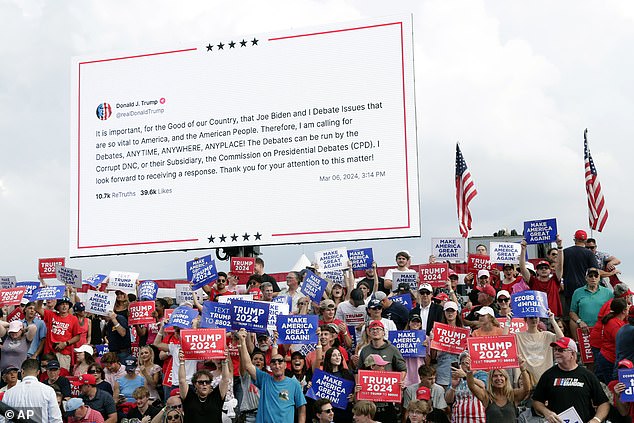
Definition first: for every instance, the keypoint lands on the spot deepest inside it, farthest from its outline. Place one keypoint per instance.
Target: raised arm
(227, 375)
(559, 266)
(245, 358)
(183, 386)
(477, 390)
(523, 270)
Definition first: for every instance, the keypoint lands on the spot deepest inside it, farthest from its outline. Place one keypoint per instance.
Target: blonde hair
(364, 408)
(507, 390)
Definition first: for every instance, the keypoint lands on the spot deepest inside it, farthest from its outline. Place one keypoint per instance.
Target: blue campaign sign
(529, 304)
(540, 231)
(31, 286)
(405, 299)
(626, 377)
(352, 330)
(216, 315)
(408, 342)
(182, 317)
(95, 280)
(102, 349)
(361, 259)
(194, 266)
(284, 299)
(54, 292)
(297, 329)
(250, 315)
(327, 385)
(204, 275)
(147, 290)
(313, 286)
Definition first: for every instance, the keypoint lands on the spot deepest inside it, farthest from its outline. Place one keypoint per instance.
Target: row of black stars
(234, 237)
(232, 44)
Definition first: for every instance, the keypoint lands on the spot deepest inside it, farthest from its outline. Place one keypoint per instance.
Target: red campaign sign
(12, 296)
(203, 344)
(584, 346)
(379, 386)
(46, 267)
(75, 390)
(451, 339)
(478, 262)
(167, 379)
(243, 265)
(140, 312)
(166, 317)
(518, 325)
(493, 352)
(435, 274)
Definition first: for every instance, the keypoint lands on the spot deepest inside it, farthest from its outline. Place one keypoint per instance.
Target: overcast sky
(515, 82)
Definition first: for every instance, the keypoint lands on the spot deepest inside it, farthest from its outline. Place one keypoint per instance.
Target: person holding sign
(624, 408)
(62, 329)
(444, 359)
(281, 395)
(499, 398)
(533, 346)
(16, 345)
(489, 325)
(568, 384)
(545, 281)
(203, 403)
(612, 322)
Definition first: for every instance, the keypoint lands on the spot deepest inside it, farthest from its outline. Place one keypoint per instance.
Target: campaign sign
(216, 315)
(570, 415)
(30, 286)
(283, 299)
(48, 293)
(204, 344)
(297, 329)
(435, 274)
(242, 265)
(517, 324)
(626, 377)
(183, 293)
(95, 280)
(275, 310)
(102, 349)
(7, 282)
(334, 276)
(12, 296)
(250, 315)
(493, 352)
(167, 378)
(540, 231)
(326, 385)
(100, 303)
(451, 339)
(182, 317)
(196, 264)
(361, 259)
(313, 286)
(337, 258)
(228, 299)
(408, 342)
(46, 266)
(68, 276)
(449, 249)
(584, 346)
(205, 275)
(529, 304)
(405, 299)
(123, 281)
(147, 290)
(408, 277)
(140, 312)
(379, 386)
(307, 348)
(477, 262)
(505, 252)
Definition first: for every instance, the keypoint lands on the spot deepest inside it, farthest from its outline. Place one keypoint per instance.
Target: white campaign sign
(184, 293)
(505, 252)
(158, 135)
(449, 249)
(334, 259)
(124, 281)
(100, 303)
(68, 276)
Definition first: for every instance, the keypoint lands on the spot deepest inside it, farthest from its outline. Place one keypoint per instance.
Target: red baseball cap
(581, 235)
(441, 296)
(487, 289)
(542, 263)
(423, 393)
(625, 363)
(376, 324)
(452, 273)
(565, 342)
(85, 380)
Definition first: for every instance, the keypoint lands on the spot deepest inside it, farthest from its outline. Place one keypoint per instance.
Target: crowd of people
(53, 363)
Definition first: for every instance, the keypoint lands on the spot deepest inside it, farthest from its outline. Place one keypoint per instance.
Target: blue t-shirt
(127, 386)
(40, 335)
(278, 400)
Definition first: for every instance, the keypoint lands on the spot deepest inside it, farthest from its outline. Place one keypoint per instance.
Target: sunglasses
(93, 372)
(204, 382)
(503, 300)
(328, 410)
(593, 275)
(177, 406)
(173, 417)
(424, 292)
(277, 360)
(591, 248)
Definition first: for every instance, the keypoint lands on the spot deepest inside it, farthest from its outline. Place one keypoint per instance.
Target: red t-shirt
(60, 329)
(551, 288)
(596, 333)
(608, 349)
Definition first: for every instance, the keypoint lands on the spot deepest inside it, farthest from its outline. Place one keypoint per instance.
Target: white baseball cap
(483, 272)
(486, 310)
(502, 293)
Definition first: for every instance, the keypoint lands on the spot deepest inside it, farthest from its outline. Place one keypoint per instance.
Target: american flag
(597, 212)
(465, 192)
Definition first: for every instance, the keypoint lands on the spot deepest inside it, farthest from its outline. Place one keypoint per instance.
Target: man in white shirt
(402, 262)
(31, 398)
